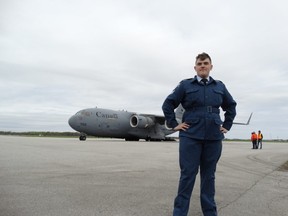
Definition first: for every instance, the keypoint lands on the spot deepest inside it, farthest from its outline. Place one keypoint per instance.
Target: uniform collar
(199, 78)
(195, 79)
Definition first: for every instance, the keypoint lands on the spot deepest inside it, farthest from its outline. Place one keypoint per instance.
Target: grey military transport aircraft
(123, 124)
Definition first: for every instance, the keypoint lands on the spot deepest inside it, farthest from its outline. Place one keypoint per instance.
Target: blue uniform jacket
(201, 103)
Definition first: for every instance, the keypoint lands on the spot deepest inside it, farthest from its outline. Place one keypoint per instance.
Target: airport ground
(110, 177)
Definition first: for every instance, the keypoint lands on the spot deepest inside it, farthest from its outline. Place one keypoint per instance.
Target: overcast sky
(60, 56)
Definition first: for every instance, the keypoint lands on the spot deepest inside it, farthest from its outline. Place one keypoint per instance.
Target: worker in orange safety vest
(254, 140)
(259, 137)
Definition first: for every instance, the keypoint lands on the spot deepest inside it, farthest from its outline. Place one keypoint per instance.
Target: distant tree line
(41, 134)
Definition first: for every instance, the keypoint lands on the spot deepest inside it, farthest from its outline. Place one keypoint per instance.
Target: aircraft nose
(72, 122)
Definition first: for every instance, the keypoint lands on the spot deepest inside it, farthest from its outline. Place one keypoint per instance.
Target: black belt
(209, 109)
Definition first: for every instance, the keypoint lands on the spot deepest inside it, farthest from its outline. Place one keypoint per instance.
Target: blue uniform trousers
(192, 155)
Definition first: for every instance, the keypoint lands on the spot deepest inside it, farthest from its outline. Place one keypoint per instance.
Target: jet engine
(166, 126)
(141, 121)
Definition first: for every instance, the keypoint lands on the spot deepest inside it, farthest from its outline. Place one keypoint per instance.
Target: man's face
(203, 67)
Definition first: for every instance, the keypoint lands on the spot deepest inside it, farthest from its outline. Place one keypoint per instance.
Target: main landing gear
(82, 137)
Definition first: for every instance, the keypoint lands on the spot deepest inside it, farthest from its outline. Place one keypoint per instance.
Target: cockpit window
(83, 112)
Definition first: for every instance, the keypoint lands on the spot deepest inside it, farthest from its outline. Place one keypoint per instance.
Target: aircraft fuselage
(119, 124)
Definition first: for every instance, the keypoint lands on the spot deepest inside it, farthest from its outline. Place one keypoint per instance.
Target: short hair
(203, 56)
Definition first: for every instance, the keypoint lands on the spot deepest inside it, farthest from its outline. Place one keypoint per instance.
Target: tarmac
(110, 177)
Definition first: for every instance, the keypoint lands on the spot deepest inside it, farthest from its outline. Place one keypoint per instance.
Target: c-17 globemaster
(123, 124)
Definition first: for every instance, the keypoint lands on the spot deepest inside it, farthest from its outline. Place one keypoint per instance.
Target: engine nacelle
(141, 121)
(166, 126)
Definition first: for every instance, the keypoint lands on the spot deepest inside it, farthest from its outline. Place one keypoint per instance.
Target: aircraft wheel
(82, 138)
(131, 139)
(148, 139)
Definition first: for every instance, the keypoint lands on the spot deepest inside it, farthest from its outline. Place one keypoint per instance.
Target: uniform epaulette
(190, 79)
(218, 81)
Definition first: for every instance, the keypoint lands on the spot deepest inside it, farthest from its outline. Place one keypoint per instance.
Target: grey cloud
(59, 57)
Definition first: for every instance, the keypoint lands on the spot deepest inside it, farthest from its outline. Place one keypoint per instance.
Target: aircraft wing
(247, 123)
(161, 119)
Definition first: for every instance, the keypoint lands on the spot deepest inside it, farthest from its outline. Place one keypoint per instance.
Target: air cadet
(201, 133)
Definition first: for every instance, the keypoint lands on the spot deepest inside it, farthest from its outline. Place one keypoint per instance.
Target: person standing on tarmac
(254, 140)
(260, 138)
(201, 133)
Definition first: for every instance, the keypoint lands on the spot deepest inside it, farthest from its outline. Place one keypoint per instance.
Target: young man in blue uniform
(201, 133)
